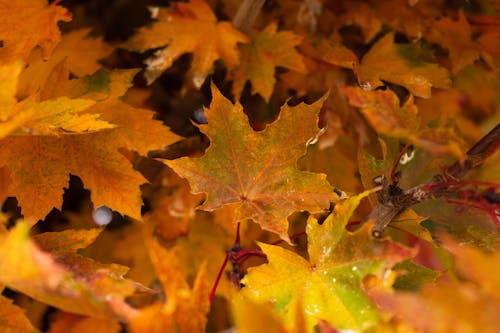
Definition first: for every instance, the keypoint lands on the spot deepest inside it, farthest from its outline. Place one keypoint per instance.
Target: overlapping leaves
(51, 158)
(329, 284)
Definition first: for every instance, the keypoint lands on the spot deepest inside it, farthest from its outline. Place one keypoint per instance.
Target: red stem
(217, 280)
(395, 166)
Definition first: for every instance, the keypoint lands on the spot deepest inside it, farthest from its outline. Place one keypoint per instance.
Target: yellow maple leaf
(188, 27)
(47, 269)
(49, 116)
(328, 283)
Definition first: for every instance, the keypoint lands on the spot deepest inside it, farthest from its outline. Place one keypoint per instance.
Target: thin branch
(247, 14)
(392, 200)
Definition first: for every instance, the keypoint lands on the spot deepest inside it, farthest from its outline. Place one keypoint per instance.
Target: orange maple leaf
(185, 309)
(383, 112)
(13, 317)
(257, 169)
(188, 27)
(79, 51)
(25, 24)
(40, 164)
(268, 50)
(409, 67)
(456, 36)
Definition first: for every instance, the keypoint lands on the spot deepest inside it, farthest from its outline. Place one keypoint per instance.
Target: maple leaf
(268, 50)
(79, 51)
(50, 271)
(329, 283)
(330, 52)
(382, 110)
(94, 156)
(456, 36)
(360, 13)
(468, 304)
(13, 319)
(51, 116)
(185, 309)
(412, 19)
(257, 169)
(25, 24)
(410, 67)
(188, 27)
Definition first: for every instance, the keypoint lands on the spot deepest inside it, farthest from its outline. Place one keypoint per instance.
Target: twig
(392, 200)
(247, 14)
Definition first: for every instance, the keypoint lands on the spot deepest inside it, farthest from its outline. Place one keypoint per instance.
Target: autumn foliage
(249, 166)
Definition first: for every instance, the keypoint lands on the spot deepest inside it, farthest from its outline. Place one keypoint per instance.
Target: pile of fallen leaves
(249, 166)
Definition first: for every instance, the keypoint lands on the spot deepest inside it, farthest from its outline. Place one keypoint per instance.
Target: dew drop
(153, 11)
(198, 80)
(407, 157)
(199, 116)
(102, 215)
(366, 86)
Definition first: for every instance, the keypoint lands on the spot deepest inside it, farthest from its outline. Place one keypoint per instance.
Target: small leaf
(267, 50)
(456, 36)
